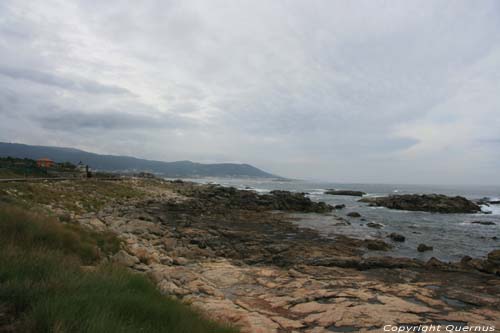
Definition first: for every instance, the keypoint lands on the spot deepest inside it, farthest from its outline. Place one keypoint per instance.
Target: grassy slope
(76, 195)
(44, 288)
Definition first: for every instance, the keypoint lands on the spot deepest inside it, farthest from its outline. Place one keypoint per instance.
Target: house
(45, 163)
(81, 167)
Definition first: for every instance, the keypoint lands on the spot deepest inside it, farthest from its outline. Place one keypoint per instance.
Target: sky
(347, 91)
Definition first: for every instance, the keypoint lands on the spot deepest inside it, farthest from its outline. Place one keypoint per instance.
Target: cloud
(104, 120)
(83, 85)
(366, 91)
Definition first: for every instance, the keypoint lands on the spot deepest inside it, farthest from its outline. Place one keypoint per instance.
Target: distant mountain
(114, 163)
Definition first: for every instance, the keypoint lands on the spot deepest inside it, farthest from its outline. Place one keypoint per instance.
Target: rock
(123, 258)
(180, 261)
(145, 255)
(389, 262)
(345, 192)
(490, 265)
(483, 222)
(354, 214)
(423, 248)
(346, 262)
(494, 256)
(341, 206)
(487, 201)
(376, 245)
(465, 259)
(436, 263)
(166, 260)
(374, 225)
(169, 244)
(288, 323)
(436, 203)
(229, 197)
(285, 200)
(397, 237)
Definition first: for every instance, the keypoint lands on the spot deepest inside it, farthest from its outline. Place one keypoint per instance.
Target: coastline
(240, 261)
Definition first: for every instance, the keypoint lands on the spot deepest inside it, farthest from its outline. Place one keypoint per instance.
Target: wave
(491, 209)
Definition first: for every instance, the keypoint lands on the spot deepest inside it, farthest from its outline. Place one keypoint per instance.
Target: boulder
(354, 214)
(436, 203)
(341, 206)
(345, 192)
(436, 263)
(374, 225)
(125, 259)
(423, 248)
(397, 237)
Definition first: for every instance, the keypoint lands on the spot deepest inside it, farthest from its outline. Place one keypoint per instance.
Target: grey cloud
(71, 120)
(331, 89)
(49, 79)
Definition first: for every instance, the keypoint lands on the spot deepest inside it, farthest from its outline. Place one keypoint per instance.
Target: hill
(113, 163)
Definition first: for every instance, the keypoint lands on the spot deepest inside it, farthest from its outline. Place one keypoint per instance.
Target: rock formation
(436, 203)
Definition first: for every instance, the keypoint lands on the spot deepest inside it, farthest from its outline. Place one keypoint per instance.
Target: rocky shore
(345, 192)
(239, 257)
(436, 203)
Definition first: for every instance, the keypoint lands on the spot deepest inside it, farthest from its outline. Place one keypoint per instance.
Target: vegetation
(76, 195)
(112, 163)
(45, 288)
(11, 167)
(19, 168)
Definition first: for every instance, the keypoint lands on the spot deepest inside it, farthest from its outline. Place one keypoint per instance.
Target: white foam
(260, 190)
(492, 209)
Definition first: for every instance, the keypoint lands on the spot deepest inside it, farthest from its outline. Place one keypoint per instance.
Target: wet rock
(397, 237)
(346, 262)
(374, 225)
(285, 200)
(436, 203)
(389, 262)
(465, 259)
(376, 245)
(219, 197)
(354, 214)
(436, 263)
(494, 256)
(487, 201)
(423, 248)
(483, 222)
(341, 206)
(345, 192)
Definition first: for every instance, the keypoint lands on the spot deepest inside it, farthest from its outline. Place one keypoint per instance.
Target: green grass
(75, 195)
(43, 285)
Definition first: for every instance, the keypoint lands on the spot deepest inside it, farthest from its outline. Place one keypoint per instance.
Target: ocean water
(452, 235)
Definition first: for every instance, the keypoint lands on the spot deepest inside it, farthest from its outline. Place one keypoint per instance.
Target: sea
(451, 235)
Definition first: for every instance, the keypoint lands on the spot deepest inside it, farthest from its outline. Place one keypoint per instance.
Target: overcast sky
(349, 91)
